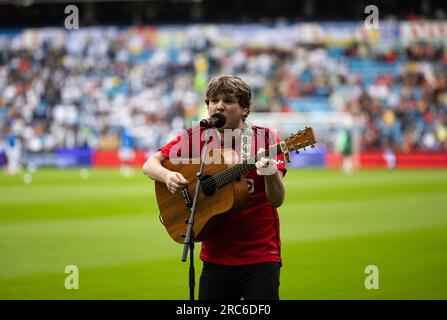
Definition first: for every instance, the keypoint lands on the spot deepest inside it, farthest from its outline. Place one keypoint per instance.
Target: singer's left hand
(265, 166)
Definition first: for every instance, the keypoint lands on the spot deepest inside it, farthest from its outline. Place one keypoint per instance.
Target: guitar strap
(267, 139)
(246, 140)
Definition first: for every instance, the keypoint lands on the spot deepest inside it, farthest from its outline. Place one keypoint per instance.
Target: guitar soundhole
(208, 185)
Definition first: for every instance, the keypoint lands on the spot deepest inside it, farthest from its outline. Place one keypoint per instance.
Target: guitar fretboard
(230, 174)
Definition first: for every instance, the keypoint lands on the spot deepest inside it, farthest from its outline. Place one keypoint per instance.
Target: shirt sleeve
(166, 150)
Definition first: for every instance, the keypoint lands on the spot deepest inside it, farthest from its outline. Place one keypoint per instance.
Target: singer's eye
(224, 100)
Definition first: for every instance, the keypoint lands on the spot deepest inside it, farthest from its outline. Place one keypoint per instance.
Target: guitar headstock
(299, 140)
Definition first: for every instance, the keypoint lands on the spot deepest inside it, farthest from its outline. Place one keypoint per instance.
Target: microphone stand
(189, 238)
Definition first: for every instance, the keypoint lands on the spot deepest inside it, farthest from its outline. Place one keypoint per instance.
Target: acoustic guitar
(223, 187)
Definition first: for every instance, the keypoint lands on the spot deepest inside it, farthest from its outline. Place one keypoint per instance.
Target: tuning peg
(287, 156)
(304, 148)
(312, 146)
(297, 151)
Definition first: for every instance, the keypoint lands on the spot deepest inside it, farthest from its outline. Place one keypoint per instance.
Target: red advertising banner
(378, 160)
(332, 160)
(112, 159)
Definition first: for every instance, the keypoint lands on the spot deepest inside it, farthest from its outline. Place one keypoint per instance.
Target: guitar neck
(230, 174)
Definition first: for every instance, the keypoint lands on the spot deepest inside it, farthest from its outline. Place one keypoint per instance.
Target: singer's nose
(220, 106)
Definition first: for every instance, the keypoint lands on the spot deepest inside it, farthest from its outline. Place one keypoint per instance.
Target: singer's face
(229, 106)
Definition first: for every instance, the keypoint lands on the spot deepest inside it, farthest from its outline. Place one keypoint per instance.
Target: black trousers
(252, 282)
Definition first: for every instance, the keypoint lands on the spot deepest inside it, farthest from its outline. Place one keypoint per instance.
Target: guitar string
(221, 177)
(228, 173)
(231, 173)
(194, 130)
(225, 176)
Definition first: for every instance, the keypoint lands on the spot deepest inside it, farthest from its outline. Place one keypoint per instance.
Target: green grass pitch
(332, 227)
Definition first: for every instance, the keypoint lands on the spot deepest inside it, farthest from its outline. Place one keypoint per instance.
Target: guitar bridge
(186, 197)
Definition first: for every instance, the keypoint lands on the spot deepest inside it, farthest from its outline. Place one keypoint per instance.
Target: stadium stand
(80, 88)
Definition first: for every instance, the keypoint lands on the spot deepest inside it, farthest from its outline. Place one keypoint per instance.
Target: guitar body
(174, 210)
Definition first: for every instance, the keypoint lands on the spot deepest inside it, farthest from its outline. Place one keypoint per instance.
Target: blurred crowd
(102, 87)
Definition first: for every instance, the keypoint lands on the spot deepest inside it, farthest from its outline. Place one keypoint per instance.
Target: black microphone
(217, 120)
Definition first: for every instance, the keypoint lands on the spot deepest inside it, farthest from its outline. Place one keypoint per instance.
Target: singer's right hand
(174, 181)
